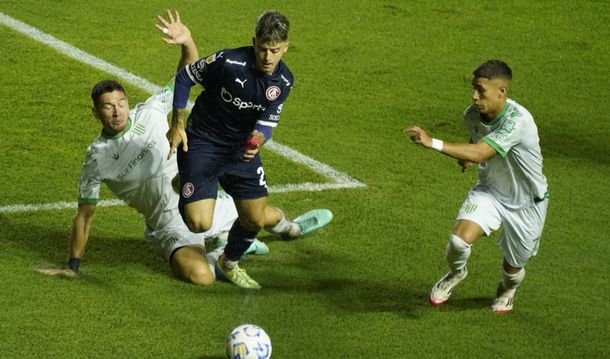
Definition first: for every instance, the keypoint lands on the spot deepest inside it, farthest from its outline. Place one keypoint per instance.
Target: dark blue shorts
(206, 165)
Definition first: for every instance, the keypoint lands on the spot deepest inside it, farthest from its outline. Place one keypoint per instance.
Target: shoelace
(241, 274)
(448, 281)
(311, 221)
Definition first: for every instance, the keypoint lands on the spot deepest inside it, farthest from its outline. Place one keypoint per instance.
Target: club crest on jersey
(187, 190)
(273, 93)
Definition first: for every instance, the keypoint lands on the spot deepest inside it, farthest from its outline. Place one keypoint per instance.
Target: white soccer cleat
(504, 299)
(444, 287)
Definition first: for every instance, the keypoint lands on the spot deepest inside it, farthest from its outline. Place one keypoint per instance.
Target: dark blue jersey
(237, 97)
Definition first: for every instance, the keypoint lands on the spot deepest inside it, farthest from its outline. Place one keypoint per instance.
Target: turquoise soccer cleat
(257, 247)
(312, 221)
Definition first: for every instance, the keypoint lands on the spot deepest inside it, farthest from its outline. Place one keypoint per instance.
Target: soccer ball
(248, 341)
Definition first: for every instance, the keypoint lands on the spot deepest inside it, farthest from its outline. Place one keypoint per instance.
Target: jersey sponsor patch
(237, 102)
(273, 93)
(210, 59)
(187, 190)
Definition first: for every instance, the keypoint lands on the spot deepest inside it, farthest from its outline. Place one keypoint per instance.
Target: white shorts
(522, 228)
(176, 234)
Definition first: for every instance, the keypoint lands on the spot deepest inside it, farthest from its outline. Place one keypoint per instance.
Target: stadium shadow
(47, 240)
(463, 304)
(344, 290)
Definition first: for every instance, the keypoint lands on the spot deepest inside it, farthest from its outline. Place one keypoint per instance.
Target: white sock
(230, 264)
(512, 281)
(283, 226)
(212, 257)
(457, 253)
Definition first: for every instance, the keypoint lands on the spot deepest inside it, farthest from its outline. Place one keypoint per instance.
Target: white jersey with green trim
(134, 163)
(514, 176)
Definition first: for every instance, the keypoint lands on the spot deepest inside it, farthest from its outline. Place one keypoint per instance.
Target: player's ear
(503, 88)
(287, 46)
(503, 91)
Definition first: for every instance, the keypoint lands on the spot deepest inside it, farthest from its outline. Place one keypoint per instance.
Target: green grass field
(358, 289)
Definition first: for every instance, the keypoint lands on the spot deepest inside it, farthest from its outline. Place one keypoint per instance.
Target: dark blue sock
(239, 241)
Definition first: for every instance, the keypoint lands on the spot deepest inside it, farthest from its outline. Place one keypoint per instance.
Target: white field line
(338, 180)
(59, 205)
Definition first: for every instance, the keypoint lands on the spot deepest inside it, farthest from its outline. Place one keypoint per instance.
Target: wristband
(74, 264)
(437, 144)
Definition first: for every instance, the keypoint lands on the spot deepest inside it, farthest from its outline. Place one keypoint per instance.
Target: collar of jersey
(120, 134)
(495, 120)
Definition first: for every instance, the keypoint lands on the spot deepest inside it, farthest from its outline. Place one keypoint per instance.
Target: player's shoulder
(97, 145)
(285, 74)
(236, 56)
(93, 152)
(517, 111)
(243, 51)
(215, 58)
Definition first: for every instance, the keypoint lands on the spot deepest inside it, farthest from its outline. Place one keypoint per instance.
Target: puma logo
(241, 82)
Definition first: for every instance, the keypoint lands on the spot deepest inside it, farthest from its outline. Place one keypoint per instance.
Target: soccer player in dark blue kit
(244, 90)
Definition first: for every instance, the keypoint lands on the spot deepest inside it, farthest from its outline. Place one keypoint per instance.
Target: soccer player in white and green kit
(511, 191)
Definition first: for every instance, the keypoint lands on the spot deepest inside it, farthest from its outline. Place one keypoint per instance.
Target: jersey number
(261, 180)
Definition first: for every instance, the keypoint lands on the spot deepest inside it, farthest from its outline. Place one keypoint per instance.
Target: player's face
(269, 54)
(489, 96)
(112, 110)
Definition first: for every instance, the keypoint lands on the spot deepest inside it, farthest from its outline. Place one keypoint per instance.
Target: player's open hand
(418, 136)
(176, 33)
(63, 272)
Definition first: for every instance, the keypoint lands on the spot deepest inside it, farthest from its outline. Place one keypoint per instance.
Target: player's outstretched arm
(466, 152)
(176, 33)
(81, 226)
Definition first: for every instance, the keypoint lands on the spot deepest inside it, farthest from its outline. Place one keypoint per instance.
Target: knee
(198, 216)
(457, 244)
(198, 225)
(252, 224)
(510, 269)
(200, 276)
